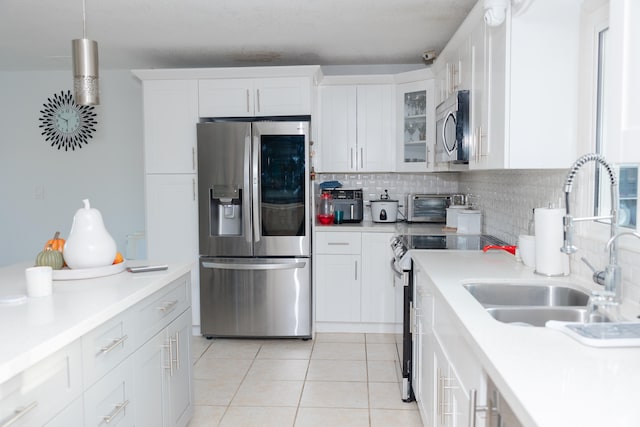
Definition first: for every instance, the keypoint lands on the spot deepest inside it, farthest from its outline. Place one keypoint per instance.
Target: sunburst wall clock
(66, 124)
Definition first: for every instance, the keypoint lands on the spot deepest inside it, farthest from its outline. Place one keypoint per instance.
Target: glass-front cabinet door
(415, 126)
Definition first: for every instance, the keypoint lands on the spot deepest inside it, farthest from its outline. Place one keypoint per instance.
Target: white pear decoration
(89, 244)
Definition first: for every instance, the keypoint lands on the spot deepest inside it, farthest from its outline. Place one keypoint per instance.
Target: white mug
(39, 281)
(527, 250)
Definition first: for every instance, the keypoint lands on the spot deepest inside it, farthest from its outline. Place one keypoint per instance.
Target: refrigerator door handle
(246, 197)
(251, 266)
(255, 195)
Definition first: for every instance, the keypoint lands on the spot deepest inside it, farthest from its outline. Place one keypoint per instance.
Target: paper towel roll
(549, 238)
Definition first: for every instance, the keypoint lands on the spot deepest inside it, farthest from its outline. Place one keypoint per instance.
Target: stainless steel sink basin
(506, 294)
(533, 304)
(538, 316)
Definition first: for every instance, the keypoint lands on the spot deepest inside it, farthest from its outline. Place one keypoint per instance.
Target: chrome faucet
(568, 247)
(610, 278)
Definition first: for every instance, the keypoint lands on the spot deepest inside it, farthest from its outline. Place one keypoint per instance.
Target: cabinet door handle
(114, 343)
(170, 348)
(361, 158)
(474, 408)
(352, 158)
(119, 408)
(177, 342)
(248, 101)
(193, 185)
(356, 270)
(193, 158)
(167, 305)
(258, 99)
(19, 413)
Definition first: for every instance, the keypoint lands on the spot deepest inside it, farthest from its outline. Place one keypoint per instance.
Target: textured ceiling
(36, 34)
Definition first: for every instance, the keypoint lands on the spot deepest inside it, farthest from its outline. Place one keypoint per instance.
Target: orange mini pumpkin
(57, 243)
(119, 258)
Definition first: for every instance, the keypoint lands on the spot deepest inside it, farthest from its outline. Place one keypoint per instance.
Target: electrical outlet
(39, 192)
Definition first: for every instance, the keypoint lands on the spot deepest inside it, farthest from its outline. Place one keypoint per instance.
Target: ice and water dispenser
(225, 210)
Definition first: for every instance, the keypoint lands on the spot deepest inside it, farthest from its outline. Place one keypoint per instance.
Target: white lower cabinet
(163, 392)
(354, 283)
(133, 370)
(377, 290)
(445, 371)
(110, 401)
(338, 288)
(36, 395)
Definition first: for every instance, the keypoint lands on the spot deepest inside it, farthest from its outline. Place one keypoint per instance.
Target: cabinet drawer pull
(114, 343)
(338, 243)
(167, 305)
(19, 413)
(119, 408)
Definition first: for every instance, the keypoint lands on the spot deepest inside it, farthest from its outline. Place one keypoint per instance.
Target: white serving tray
(605, 334)
(88, 273)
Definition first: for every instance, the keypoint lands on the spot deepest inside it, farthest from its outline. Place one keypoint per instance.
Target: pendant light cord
(84, 19)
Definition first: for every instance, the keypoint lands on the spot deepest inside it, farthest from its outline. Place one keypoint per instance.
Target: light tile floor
(332, 380)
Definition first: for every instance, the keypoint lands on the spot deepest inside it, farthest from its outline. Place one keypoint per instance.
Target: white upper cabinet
(523, 105)
(170, 118)
(415, 126)
(277, 96)
(532, 100)
(357, 128)
(623, 84)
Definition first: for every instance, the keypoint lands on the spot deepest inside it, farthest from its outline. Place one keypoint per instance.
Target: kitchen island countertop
(37, 328)
(548, 378)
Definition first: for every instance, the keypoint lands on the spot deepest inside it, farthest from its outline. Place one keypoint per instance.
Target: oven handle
(250, 266)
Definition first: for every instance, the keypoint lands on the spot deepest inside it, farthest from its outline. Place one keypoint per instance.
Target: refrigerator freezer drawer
(255, 297)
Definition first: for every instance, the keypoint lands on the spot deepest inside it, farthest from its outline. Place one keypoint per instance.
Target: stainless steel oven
(402, 265)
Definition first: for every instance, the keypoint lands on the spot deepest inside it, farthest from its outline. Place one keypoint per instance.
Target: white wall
(108, 170)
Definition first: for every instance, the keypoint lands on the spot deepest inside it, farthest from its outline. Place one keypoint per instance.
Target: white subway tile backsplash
(398, 185)
(506, 199)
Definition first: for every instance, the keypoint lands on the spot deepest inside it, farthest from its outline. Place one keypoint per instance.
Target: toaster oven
(430, 207)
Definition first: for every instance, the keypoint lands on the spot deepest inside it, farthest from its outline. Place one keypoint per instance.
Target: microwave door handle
(255, 196)
(351, 215)
(248, 191)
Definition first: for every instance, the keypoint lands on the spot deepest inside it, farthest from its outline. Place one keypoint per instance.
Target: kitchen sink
(533, 304)
(492, 294)
(538, 316)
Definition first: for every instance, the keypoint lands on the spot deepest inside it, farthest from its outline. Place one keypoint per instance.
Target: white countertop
(548, 378)
(387, 227)
(33, 330)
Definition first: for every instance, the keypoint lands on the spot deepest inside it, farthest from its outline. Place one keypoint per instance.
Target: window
(627, 174)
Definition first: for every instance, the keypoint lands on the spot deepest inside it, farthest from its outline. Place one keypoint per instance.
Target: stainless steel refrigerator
(255, 231)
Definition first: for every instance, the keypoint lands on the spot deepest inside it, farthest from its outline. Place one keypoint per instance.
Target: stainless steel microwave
(452, 128)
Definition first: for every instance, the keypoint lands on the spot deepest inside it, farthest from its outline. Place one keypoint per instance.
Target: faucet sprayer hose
(591, 157)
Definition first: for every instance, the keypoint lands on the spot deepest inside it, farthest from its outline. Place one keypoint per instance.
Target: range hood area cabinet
(523, 77)
(356, 128)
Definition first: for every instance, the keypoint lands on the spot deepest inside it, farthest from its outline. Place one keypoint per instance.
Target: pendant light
(84, 53)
